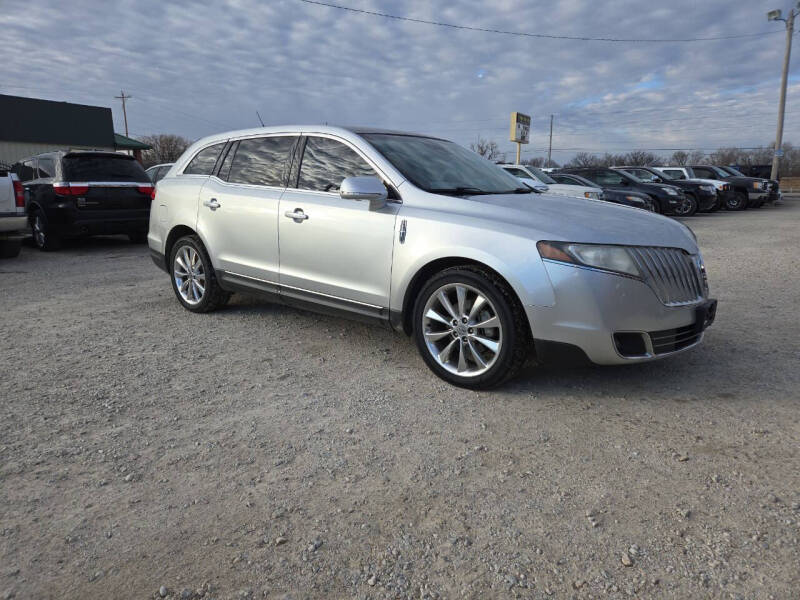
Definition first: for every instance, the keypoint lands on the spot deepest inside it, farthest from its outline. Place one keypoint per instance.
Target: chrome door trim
(299, 293)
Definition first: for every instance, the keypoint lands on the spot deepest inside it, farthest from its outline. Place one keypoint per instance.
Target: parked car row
(677, 191)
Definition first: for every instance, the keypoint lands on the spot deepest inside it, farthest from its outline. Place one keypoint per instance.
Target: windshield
(628, 176)
(721, 172)
(733, 171)
(444, 167)
(541, 175)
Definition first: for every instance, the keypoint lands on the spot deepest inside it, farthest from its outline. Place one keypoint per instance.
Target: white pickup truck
(13, 221)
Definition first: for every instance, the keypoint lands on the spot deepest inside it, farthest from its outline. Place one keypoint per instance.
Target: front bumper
(592, 306)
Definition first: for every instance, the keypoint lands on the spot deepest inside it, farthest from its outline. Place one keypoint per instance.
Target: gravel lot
(265, 452)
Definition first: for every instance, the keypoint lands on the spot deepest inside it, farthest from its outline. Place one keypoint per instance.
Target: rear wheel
(10, 248)
(687, 207)
(43, 235)
(193, 279)
(738, 201)
(469, 328)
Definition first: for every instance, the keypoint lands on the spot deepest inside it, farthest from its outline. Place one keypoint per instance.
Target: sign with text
(520, 128)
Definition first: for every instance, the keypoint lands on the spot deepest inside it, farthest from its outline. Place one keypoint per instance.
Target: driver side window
(327, 162)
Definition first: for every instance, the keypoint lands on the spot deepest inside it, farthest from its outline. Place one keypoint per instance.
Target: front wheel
(687, 207)
(736, 202)
(469, 328)
(193, 279)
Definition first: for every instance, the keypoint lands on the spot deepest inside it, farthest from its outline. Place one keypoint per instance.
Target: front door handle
(212, 204)
(297, 214)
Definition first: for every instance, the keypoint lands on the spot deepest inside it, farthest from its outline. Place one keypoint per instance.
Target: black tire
(688, 207)
(138, 237)
(214, 296)
(43, 235)
(736, 202)
(10, 248)
(516, 337)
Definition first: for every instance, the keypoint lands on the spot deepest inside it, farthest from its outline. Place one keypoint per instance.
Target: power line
(534, 35)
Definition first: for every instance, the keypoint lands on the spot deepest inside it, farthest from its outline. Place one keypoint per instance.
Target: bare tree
(696, 157)
(679, 158)
(641, 158)
(488, 149)
(584, 159)
(166, 148)
(726, 156)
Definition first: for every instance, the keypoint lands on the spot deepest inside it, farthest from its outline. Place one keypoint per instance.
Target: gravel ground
(265, 452)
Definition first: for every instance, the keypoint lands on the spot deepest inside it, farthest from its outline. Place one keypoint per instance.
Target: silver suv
(422, 234)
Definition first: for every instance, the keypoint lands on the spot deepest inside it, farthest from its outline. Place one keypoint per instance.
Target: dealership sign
(520, 128)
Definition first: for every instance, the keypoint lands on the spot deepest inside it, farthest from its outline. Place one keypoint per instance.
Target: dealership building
(30, 126)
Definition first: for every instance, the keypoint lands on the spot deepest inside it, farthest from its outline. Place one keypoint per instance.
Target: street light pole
(775, 15)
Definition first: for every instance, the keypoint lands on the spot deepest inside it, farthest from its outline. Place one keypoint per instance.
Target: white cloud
(197, 69)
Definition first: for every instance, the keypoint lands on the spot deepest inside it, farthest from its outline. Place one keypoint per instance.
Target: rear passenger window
(204, 161)
(261, 161)
(326, 162)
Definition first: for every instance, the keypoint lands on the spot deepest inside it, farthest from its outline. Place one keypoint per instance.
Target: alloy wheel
(462, 330)
(38, 231)
(190, 275)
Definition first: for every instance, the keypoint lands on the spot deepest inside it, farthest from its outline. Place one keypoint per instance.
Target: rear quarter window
(103, 168)
(204, 161)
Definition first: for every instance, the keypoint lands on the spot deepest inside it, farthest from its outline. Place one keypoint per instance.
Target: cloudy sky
(196, 69)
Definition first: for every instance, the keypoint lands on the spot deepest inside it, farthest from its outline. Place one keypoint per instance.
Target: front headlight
(670, 191)
(607, 258)
(593, 195)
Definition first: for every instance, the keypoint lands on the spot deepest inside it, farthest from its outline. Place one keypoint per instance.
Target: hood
(658, 188)
(562, 218)
(574, 191)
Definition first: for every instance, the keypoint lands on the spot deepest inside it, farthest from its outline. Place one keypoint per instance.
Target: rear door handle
(212, 204)
(297, 214)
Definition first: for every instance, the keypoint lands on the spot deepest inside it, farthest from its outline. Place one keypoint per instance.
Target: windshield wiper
(460, 191)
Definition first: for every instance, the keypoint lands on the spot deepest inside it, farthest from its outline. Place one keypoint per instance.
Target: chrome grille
(675, 276)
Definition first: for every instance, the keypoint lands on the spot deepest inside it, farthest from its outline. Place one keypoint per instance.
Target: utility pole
(775, 15)
(123, 97)
(550, 147)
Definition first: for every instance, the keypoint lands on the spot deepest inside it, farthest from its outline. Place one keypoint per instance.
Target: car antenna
(260, 119)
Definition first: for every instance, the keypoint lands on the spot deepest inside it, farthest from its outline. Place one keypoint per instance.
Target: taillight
(146, 189)
(70, 189)
(19, 195)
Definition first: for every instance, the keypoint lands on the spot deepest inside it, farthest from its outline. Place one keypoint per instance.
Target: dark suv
(749, 192)
(668, 199)
(70, 194)
(701, 196)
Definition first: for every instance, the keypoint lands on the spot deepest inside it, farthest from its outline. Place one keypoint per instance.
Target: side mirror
(364, 188)
(657, 179)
